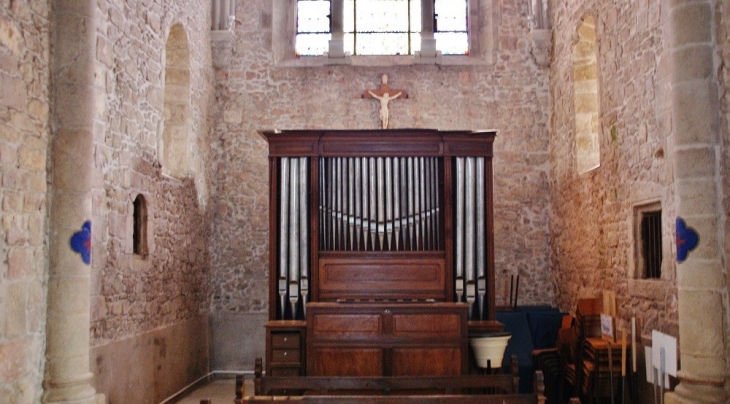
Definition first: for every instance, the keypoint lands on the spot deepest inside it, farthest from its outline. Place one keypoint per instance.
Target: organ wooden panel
(406, 339)
(382, 276)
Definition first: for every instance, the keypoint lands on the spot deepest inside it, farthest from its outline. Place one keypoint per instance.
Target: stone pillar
(428, 42)
(67, 378)
(336, 54)
(700, 270)
(428, 53)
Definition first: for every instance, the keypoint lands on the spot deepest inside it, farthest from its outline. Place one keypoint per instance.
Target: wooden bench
(420, 389)
(496, 383)
(378, 384)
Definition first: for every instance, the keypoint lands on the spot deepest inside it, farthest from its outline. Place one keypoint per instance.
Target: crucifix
(384, 94)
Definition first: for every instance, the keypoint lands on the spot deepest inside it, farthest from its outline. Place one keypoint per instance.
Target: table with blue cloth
(532, 327)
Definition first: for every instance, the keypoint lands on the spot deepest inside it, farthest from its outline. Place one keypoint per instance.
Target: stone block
(693, 62)
(11, 37)
(696, 197)
(707, 229)
(695, 117)
(16, 308)
(14, 226)
(32, 159)
(13, 92)
(704, 328)
(20, 262)
(691, 23)
(14, 357)
(68, 295)
(12, 201)
(700, 274)
(695, 163)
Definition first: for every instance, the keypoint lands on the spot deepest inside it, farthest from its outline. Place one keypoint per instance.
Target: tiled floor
(221, 391)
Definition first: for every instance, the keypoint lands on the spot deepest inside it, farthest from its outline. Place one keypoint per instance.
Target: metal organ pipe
(293, 267)
(469, 233)
(294, 237)
(284, 233)
(459, 228)
(470, 253)
(379, 203)
(481, 246)
(303, 231)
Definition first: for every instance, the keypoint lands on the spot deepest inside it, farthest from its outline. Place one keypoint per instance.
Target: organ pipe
(293, 267)
(481, 246)
(379, 204)
(459, 228)
(470, 245)
(284, 233)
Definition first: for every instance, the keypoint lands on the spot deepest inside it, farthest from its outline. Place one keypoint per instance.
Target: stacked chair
(579, 364)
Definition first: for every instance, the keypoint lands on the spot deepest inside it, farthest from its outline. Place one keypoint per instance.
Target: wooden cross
(384, 94)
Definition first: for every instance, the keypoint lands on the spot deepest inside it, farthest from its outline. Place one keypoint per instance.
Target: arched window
(585, 92)
(175, 135)
(139, 235)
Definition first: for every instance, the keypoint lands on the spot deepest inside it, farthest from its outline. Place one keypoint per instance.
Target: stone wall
(133, 295)
(723, 60)
(592, 214)
(255, 94)
(24, 141)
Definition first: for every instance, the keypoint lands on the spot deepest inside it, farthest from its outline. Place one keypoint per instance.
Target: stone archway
(585, 93)
(176, 133)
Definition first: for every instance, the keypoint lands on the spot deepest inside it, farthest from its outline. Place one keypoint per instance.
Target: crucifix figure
(384, 94)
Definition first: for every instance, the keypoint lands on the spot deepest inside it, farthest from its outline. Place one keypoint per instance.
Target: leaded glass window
(313, 27)
(450, 27)
(381, 27)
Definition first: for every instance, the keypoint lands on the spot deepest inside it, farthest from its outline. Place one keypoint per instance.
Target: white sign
(658, 341)
(607, 327)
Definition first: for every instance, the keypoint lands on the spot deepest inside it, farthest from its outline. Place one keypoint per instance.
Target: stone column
(336, 53)
(700, 271)
(73, 47)
(428, 42)
(428, 53)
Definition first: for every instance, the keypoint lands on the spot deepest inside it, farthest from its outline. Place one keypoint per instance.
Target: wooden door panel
(341, 325)
(427, 324)
(425, 361)
(345, 361)
(383, 277)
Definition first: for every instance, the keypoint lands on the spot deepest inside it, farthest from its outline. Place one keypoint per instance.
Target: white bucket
(489, 349)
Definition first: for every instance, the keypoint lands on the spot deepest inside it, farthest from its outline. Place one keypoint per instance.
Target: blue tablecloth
(532, 327)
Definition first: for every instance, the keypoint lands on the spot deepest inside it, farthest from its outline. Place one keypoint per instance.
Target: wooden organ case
(381, 251)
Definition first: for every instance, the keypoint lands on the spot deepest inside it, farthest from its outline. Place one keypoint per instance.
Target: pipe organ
(365, 218)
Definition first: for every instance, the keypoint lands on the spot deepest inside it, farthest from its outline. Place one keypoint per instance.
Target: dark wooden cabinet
(381, 339)
(381, 248)
(285, 342)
